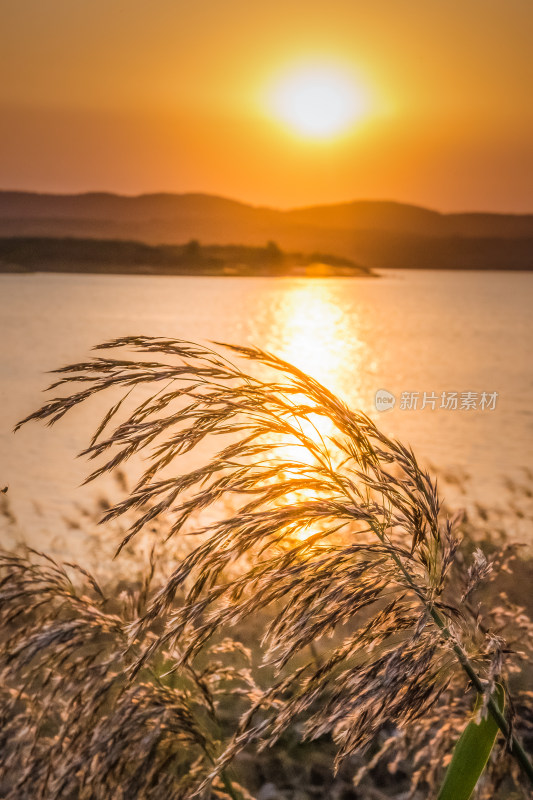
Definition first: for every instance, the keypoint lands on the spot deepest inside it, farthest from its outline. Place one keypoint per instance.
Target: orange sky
(169, 95)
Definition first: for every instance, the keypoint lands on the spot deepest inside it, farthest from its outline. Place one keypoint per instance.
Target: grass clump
(305, 517)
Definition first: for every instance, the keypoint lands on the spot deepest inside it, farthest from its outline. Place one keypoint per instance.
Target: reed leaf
(472, 752)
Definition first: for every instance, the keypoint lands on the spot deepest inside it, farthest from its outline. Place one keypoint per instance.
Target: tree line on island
(46, 254)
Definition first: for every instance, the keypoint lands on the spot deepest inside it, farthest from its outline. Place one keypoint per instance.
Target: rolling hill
(374, 233)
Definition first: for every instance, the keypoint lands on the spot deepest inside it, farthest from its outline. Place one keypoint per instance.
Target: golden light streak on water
(312, 330)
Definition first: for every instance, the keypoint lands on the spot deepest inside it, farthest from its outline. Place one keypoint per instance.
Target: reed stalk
(333, 525)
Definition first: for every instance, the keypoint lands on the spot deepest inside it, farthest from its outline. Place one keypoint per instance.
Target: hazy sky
(170, 95)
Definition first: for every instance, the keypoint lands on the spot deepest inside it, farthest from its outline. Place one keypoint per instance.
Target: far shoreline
(106, 256)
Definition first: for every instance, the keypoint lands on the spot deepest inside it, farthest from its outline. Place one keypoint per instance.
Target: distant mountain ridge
(374, 233)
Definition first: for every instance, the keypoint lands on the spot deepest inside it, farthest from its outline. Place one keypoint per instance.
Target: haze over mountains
(373, 233)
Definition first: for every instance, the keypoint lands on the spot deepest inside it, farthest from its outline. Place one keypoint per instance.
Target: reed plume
(333, 525)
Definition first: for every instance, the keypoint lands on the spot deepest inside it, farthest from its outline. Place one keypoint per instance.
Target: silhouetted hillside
(374, 233)
(47, 254)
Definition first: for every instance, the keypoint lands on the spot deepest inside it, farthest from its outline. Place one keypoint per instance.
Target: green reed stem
(229, 787)
(516, 747)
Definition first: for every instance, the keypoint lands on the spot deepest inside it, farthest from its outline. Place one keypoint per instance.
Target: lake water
(406, 332)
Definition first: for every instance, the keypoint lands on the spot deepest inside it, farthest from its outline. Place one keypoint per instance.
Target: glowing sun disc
(318, 102)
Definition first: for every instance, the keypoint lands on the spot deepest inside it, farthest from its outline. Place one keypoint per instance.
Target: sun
(318, 102)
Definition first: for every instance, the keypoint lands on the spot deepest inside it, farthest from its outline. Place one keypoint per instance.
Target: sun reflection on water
(313, 333)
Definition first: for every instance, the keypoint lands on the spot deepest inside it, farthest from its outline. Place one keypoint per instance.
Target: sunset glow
(269, 267)
(276, 104)
(318, 102)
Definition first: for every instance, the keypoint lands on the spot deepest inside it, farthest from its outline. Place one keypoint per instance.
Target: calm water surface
(408, 331)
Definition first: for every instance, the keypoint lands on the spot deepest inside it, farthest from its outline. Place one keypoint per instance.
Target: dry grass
(335, 528)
